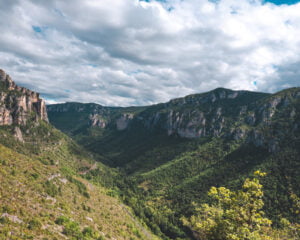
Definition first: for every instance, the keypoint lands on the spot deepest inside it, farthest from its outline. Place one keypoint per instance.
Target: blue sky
(132, 52)
(279, 2)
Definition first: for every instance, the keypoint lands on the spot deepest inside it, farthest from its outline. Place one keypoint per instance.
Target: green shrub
(232, 215)
(72, 229)
(51, 189)
(3, 220)
(82, 189)
(7, 209)
(34, 224)
(35, 175)
(101, 238)
(62, 220)
(88, 232)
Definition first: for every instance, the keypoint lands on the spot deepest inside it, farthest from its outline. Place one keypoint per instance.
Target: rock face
(222, 113)
(237, 115)
(123, 121)
(18, 134)
(96, 120)
(85, 115)
(18, 104)
(202, 115)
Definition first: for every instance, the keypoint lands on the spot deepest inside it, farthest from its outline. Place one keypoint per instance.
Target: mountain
(19, 105)
(172, 153)
(221, 113)
(44, 191)
(134, 172)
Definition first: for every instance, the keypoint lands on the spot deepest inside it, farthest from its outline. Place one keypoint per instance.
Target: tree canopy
(232, 215)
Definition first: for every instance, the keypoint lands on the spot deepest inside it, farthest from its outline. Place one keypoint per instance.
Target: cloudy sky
(131, 52)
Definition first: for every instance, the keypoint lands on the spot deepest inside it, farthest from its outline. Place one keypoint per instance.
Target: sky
(141, 52)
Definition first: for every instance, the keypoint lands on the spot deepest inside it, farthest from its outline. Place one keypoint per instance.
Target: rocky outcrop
(19, 104)
(123, 121)
(102, 120)
(189, 123)
(236, 115)
(18, 134)
(96, 120)
(93, 115)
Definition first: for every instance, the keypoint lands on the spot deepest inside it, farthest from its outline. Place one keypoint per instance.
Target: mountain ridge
(214, 113)
(156, 159)
(172, 153)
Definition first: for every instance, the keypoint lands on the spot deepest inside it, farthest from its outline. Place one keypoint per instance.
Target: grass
(38, 192)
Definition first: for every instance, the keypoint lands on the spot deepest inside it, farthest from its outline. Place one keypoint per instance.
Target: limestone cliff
(211, 114)
(239, 115)
(19, 104)
(86, 115)
(251, 117)
(123, 121)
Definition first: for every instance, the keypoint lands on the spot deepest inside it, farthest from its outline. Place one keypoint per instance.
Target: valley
(170, 154)
(86, 171)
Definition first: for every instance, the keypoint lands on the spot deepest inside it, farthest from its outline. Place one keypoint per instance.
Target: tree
(233, 215)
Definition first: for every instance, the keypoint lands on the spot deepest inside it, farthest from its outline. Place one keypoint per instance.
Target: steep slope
(144, 128)
(174, 152)
(224, 113)
(44, 193)
(76, 118)
(269, 139)
(41, 201)
(18, 104)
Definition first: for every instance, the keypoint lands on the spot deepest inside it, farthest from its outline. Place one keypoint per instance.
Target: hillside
(137, 170)
(44, 193)
(172, 153)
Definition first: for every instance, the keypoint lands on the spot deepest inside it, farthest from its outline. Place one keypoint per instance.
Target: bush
(34, 224)
(72, 229)
(62, 220)
(82, 189)
(51, 189)
(88, 232)
(232, 215)
(35, 175)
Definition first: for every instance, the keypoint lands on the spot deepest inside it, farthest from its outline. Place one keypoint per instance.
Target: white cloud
(129, 52)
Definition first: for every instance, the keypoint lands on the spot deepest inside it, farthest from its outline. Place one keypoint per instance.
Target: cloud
(143, 52)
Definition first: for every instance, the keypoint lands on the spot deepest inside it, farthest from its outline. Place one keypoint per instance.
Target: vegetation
(233, 215)
(162, 175)
(41, 183)
(52, 187)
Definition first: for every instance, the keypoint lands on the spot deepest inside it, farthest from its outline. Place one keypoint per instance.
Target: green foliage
(51, 189)
(34, 224)
(35, 175)
(80, 186)
(233, 215)
(25, 192)
(157, 175)
(72, 229)
(62, 220)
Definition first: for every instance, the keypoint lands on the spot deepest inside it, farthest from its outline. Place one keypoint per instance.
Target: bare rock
(123, 121)
(12, 218)
(18, 103)
(18, 134)
(97, 120)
